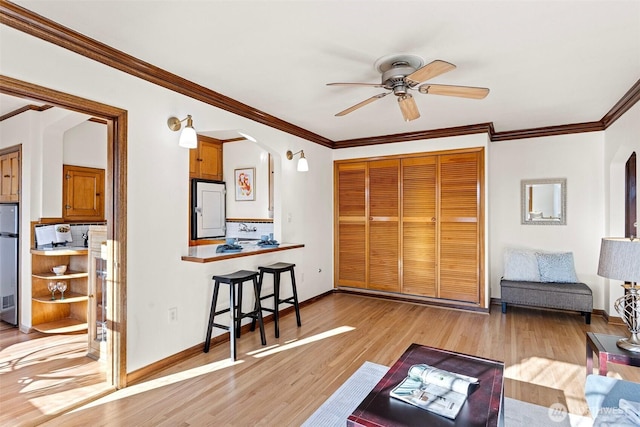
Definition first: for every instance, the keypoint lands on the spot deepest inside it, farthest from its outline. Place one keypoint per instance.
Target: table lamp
(620, 260)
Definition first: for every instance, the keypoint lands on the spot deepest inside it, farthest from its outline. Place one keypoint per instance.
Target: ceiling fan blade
(362, 104)
(461, 91)
(429, 71)
(356, 84)
(408, 107)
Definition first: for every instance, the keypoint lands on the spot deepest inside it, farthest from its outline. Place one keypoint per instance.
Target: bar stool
(233, 279)
(276, 269)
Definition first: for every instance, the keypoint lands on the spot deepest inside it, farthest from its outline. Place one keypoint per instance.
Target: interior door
(384, 214)
(419, 207)
(351, 220)
(460, 227)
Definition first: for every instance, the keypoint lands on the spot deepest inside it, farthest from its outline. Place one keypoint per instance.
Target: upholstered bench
(544, 279)
(561, 296)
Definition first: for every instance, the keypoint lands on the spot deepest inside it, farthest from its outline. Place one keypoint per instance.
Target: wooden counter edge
(222, 257)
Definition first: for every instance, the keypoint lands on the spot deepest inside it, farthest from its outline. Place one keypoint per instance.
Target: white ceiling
(546, 63)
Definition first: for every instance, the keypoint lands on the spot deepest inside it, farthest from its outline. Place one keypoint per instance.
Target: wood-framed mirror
(544, 201)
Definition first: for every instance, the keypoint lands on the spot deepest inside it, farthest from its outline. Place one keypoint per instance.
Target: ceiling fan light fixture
(408, 107)
(402, 72)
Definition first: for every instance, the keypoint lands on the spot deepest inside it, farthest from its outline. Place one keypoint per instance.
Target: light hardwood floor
(45, 375)
(284, 382)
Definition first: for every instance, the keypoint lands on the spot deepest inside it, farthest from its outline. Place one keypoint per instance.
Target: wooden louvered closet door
(351, 256)
(412, 225)
(384, 191)
(419, 207)
(459, 227)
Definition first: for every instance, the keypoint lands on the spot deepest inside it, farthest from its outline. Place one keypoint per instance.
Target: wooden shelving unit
(59, 316)
(68, 275)
(63, 326)
(69, 297)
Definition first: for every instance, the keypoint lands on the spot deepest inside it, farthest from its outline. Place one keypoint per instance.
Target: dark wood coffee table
(606, 350)
(482, 408)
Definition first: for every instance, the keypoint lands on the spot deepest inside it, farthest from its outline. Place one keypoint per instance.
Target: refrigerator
(9, 263)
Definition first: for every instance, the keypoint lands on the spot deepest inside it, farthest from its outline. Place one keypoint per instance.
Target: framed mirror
(544, 201)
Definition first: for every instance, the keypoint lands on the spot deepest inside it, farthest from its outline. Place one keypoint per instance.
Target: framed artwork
(245, 184)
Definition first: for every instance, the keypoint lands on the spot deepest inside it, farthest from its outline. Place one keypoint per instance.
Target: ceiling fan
(403, 72)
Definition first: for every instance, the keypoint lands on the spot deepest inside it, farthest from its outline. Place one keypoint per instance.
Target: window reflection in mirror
(544, 201)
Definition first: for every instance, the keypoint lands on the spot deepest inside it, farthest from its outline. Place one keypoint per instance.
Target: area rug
(335, 410)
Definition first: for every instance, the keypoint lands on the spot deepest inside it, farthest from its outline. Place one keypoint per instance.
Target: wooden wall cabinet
(82, 193)
(412, 225)
(59, 315)
(205, 161)
(10, 177)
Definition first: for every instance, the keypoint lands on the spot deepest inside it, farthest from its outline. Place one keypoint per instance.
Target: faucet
(244, 227)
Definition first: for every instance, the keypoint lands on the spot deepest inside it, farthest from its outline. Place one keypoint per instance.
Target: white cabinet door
(208, 210)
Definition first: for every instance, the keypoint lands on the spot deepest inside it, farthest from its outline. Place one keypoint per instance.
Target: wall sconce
(303, 166)
(188, 137)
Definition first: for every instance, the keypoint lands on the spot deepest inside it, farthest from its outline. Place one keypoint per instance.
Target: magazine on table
(438, 391)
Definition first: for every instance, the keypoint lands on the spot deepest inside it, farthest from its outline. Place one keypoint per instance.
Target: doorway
(115, 210)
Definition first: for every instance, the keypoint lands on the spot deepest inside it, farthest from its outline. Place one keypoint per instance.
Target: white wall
(86, 145)
(157, 220)
(622, 138)
(578, 158)
(241, 155)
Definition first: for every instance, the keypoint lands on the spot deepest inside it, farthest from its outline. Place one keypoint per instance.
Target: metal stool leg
(212, 315)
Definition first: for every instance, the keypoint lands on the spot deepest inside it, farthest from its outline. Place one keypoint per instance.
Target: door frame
(115, 210)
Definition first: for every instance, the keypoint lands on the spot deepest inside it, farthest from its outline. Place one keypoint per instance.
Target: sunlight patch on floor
(160, 382)
(567, 378)
(297, 343)
(545, 372)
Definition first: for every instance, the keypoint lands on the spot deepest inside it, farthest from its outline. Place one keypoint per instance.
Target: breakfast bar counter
(207, 253)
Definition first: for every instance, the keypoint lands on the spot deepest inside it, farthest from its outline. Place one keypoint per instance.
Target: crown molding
(21, 110)
(547, 131)
(414, 136)
(38, 26)
(627, 101)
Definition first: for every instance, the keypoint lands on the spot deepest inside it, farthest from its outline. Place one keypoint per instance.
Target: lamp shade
(620, 259)
(188, 138)
(303, 165)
